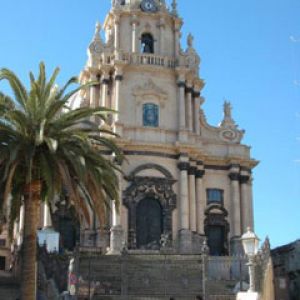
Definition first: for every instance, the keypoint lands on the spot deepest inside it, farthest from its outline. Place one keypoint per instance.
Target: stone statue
(190, 40)
(174, 7)
(97, 29)
(227, 110)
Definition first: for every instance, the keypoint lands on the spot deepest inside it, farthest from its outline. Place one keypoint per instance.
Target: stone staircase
(146, 277)
(9, 287)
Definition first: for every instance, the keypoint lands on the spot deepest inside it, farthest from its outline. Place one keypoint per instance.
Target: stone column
(189, 108)
(177, 36)
(196, 112)
(251, 221)
(104, 86)
(21, 225)
(235, 209)
(93, 93)
(185, 235)
(246, 206)
(162, 35)
(47, 216)
(181, 86)
(117, 232)
(117, 33)
(200, 198)
(116, 103)
(184, 200)
(192, 198)
(134, 39)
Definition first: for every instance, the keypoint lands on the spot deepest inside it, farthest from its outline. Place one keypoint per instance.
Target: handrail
(139, 59)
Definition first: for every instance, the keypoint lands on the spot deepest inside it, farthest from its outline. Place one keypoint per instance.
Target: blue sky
(247, 57)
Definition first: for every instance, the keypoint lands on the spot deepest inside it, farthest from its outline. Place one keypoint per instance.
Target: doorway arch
(158, 194)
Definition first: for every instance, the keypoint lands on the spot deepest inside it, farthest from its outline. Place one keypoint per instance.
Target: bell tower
(189, 179)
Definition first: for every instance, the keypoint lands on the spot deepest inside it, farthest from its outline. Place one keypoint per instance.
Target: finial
(228, 121)
(174, 7)
(227, 110)
(190, 40)
(97, 30)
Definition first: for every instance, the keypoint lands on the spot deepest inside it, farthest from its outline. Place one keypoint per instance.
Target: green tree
(44, 147)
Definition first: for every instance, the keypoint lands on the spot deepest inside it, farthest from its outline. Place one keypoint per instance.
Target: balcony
(138, 59)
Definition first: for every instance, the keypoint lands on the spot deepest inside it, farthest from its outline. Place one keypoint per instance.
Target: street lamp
(250, 243)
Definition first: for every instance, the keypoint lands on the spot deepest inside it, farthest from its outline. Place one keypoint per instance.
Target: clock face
(149, 6)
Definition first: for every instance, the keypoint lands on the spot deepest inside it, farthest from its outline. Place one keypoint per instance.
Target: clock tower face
(149, 6)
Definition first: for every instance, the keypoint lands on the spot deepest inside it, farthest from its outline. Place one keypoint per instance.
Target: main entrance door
(148, 224)
(216, 240)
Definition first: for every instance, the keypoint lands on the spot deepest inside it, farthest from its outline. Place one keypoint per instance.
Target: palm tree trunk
(29, 248)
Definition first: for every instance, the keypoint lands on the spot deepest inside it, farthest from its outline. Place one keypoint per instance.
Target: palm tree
(44, 147)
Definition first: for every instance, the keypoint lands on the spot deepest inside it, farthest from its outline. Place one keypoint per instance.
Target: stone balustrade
(138, 59)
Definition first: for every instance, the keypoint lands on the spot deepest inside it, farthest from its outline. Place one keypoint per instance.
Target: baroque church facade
(183, 179)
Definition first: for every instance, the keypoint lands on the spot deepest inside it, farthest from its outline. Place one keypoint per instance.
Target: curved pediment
(149, 88)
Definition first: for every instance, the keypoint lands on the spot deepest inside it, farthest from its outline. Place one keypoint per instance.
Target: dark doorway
(216, 240)
(149, 225)
(2, 263)
(66, 223)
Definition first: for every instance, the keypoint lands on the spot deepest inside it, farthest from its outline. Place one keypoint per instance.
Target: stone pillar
(189, 108)
(117, 33)
(251, 221)
(104, 86)
(116, 103)
(47, 216)
(246, 205)
(134, 39)
(162, 36)
(117, 232)
(181, 85)
(93, 93)
(200, 199)
(184, 200)
(196, 112)
(235, 210)
(192, 199)
(185, 235)
(177, 36)
(21, 225)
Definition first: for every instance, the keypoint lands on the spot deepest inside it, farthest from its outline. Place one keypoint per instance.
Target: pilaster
(235, 225)
(184, 166)
(117, 32)
(104, 88)
(200, 198)
(189, 107)
(246, 201)
(192, 198)
(134, 24)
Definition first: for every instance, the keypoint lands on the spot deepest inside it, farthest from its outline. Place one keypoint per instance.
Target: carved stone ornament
(150, 89)
(96, 46)
(158, 188)
(229, 130)
(192, 59)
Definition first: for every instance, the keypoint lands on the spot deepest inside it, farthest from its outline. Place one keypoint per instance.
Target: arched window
(150, 115)
(147, 43)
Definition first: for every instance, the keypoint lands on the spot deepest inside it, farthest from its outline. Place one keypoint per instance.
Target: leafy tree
(46, 146)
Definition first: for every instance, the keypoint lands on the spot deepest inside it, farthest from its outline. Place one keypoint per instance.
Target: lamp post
(250, 243)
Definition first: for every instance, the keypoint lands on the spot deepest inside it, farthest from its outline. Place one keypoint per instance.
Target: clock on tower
(149, 6)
